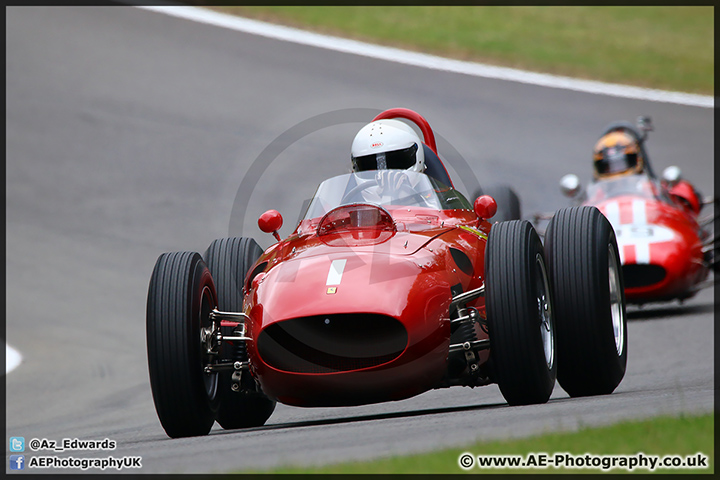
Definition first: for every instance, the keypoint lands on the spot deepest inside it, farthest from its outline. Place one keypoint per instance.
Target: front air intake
(332, 343)
(636, 276)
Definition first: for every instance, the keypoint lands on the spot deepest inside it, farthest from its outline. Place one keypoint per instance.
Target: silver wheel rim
(544, 310)
(616, 310)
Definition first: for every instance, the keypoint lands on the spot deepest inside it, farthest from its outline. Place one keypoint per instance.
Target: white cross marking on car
(634, 235)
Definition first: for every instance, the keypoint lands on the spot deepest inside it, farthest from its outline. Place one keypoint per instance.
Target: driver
(616, 154)
(387, 144)
(391, 147)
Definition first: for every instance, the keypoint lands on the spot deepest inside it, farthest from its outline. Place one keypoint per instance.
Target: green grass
(684, 436)
(670, 48)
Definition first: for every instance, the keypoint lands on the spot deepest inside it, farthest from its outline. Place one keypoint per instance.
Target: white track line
(12, 358)
(428, 61)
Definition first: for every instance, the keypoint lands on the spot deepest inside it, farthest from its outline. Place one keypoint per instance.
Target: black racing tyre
(518, 301)
(587, 282)
(180, 297)
(229, 261)
(508, 202)
(712, 258)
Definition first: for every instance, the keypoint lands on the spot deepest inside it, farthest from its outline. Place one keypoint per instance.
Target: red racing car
(667, 251)
(392, 284)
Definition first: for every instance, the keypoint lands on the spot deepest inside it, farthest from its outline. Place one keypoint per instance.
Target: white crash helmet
(387, 144)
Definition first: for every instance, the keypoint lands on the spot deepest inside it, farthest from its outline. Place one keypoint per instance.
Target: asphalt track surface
(129, 133)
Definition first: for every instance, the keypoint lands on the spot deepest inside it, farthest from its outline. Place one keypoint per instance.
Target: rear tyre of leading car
(229, 261)
(181, 296)
(519, 309)
(508, 202)
(587, 283)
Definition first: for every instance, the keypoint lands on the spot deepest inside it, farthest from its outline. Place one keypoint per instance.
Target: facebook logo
(17, 462)
(17, 444)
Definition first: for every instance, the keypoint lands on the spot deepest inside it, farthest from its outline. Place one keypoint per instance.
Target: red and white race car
(667, 251)
(392, 284)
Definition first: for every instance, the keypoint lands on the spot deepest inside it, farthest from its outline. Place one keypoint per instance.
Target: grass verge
(665, 47)
(683, 436)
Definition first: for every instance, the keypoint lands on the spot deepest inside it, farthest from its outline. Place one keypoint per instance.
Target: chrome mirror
(570, 185)
(672, 175)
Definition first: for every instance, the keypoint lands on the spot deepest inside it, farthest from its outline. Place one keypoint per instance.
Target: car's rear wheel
(230, 260)
(508, 202)
(180, 297)
(586, 275)
(519, 308)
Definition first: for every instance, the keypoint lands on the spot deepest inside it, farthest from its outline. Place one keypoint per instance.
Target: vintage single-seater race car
(667, 249)
(392, 284)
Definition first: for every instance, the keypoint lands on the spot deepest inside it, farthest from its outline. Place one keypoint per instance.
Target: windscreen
(639, 185)
(385, 188)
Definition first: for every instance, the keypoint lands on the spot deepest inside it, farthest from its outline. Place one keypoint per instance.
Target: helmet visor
(396, 159)
(612, 162)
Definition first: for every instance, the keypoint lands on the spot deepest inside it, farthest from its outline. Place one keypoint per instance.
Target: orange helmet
(617, 153)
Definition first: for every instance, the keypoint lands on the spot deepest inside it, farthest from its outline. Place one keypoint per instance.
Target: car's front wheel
(181, 296)
(519, 306)
(587, 281)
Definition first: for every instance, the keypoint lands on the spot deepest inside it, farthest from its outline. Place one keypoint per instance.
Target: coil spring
(240, 351)
(467, 330)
